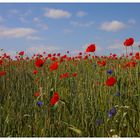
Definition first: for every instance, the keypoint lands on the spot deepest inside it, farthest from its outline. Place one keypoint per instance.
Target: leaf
(78, 131)
(54, 107)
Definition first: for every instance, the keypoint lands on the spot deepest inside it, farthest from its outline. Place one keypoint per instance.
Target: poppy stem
(126, 51)
(132, 49)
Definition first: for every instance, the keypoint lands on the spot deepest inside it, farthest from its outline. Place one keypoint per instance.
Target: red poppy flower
(21, 53)
(36, 94)
(65, 75)
(101, 63)
(39, 62)
(131, 64)
(49, 55)
(137, 55)
(2, 73)
(54, 66)
(111, 81)
(91, 48)
(35, 71)
(1, 62)
(74, 74)
(129, 42)
(54, 99)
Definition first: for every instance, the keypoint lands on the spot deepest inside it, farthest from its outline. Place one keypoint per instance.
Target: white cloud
(41, 48)
(81, 14)
(79, 24)
(30, 37)
(16, 32)
(56, 13)
(112, 26)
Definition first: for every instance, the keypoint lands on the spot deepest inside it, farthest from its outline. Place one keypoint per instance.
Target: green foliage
(84, 99)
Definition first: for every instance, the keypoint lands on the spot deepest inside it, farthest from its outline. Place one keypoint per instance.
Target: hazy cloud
(80, 24)
(81, 14)
(16, 32)
(56, 13)
(112, 26)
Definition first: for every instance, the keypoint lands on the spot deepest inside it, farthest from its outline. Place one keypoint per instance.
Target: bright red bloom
(111, 81)
(21, 53)
(39, 62)
(65, 75)
(91, 48)
(137, 55)
(58, 54)
(74, 74)
(131, 64)
(2, 73)
(54, 66)
(54, 99)
(49, 55)
(36, 94)
(129, 42)
(101, 63)
(1, 62)
(35, 71)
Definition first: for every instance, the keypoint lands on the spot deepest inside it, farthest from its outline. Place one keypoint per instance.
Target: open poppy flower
(21, 53)
(54, 66)
(2, 73)
(111, 81)
(91, 48)
(54, 99)
(101, 63)
(128, 42)
(39, 63)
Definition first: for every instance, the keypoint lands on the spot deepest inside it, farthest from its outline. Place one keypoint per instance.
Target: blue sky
(61, 27)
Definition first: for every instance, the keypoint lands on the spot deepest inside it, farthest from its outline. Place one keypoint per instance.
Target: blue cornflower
(109, 71)
(118, 93)
(112, 112)
(39, 103)
(99, 122)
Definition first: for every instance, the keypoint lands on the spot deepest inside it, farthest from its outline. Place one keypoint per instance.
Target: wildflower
(39, 103)
(109, 71)
(54, 99)
(112, 112)
(39, 63)
(131, 64)
(2, 73)
(111, 81)
(129, 42)
(91, 48)
(37, 94)
(137, 55)
(65, 75)
(21, 53)
(101, 63)
(54, 66)
(74, 74)
(35, 71)
(1, 62)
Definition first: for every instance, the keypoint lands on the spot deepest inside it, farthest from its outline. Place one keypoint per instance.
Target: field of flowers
(54, 95)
